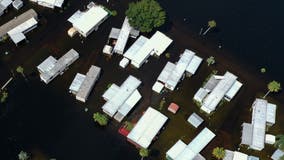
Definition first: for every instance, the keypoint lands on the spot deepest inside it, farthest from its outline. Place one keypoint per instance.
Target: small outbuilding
(195, 120)
(124, 62)
(17, 4)
(173, 108)
(269, 139)
(158, 87)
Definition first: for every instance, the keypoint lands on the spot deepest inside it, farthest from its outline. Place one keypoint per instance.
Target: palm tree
(273, 86)
(219, 152)
(279, 143)
(211, 24)
(20, 70)
(23, 155)
(101, 119)
(143, 153)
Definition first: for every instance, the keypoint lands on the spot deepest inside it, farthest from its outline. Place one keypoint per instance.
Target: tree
(101, 119)
(279, 143)
(211, 24)
(273, 86)
(219, 152)
(145, 15)
(143, 153)
(23, 155)
(20, 70)
(210, 60)
(282, 157)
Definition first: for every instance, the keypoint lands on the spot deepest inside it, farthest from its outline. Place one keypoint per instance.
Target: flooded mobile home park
(47, 121)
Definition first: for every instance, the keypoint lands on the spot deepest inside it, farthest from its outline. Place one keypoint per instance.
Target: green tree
(145, 15)
(219, 152)
(211, 24)
(101, 119)
(4, 96)
(273, 86)
(282, 158)
(279, 143)
(20, 70)
(143, 153)
(210, 60)
(23, 156)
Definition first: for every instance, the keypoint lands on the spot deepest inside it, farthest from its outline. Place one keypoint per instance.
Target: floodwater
(48, 122)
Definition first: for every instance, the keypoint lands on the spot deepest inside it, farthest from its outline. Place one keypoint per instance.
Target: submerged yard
(77, 132)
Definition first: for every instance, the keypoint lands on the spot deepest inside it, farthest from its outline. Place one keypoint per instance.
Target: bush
(101, 119)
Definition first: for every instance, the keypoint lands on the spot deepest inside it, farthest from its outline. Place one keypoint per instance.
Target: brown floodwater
(48, 122)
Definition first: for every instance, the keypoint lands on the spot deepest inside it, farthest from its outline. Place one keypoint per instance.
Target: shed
(195, 120)
(72, 32)
(277, 154)
(173, 108)
(17, 4)
(157, 87)
(269, 139)
(107, 50)
(124, 62)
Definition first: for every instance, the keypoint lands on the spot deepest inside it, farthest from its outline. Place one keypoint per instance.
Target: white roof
(88, 83)
(107, 49)
(110, 92)
(47, 64)
(234, 90)
(259, 123)
(277, 154)
(114, 33)
(179, 69)
(127, 106)
(16, 33)
(166, 72)
(212, 100)
(136, 46)
(240, 156)
(200, 94)
(269, 139)
(77, 82)
(5, 3)
(172, 73)
(125, 90)
(85, 21)
(254, 133)
(124, 62)
(196, 145)
(195, 120)
(176, 149)
(157, 44)
(50, 3)
(60, 65)
(123, 37)
(194, 64)
(147, 127)
(17, 4)
(271, 113)
(158, 87)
